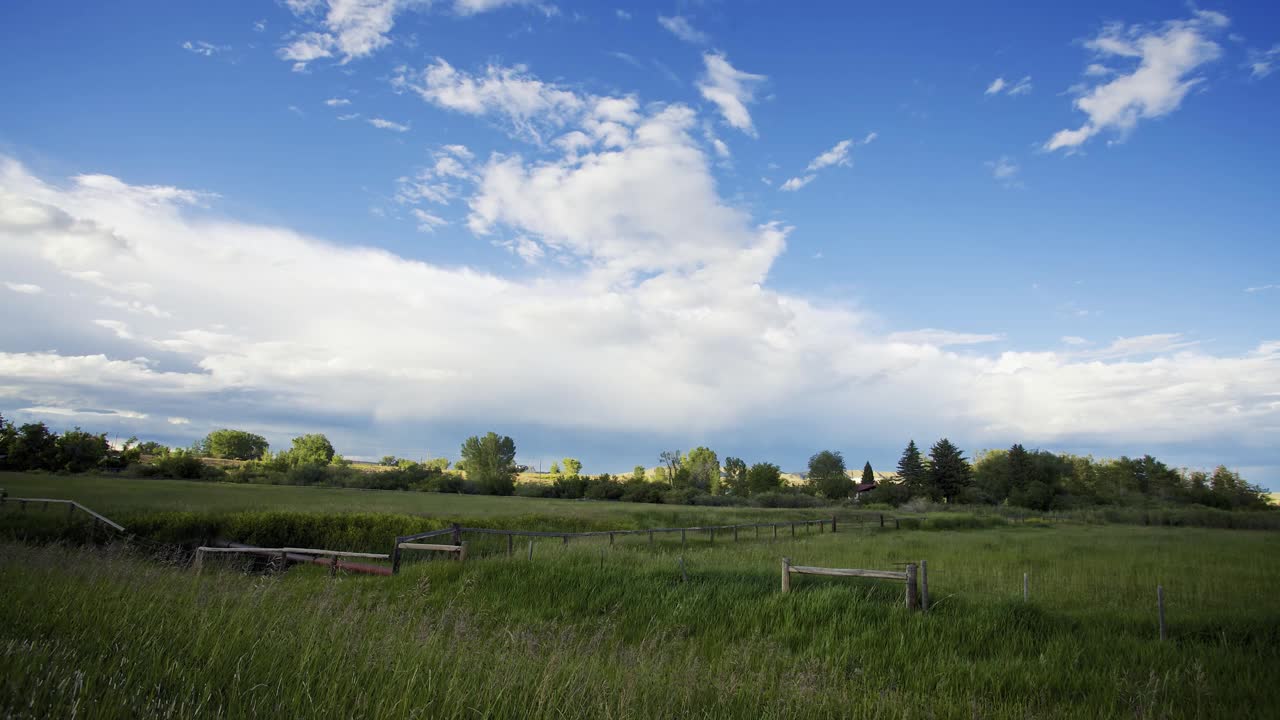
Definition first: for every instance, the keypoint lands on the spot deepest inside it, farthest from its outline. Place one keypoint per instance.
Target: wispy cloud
(207, 49)
(731, 90)
(1261, 288)
(1262, 62)
(1163, 61)
(24, 288)
(679, 26)
(383, 124)
(337, 102)
(1004, 170)
(1000, 85)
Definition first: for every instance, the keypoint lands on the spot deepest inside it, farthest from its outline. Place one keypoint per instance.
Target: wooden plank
(848, 572)
(427, 546)
(337, 553)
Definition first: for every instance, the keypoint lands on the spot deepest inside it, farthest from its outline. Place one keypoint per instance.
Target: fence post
(684, 576)
(682, 540)
(457, 534)
(462, 553)
(395, 557)
(284, 562)
(833, 523)
(333, 566)
(735, 533)
(897, 525)
(786, 575)
(913, 601)
(881, 519)
(775, 531)
(565, 539)
(650, 537)
(1025, 594)
(610, 538)
(511, 545)
(531, 550)
(1160, 609)
(198, 563)
(793, 530)
(924, 586)
(713, 536)
(71, 510)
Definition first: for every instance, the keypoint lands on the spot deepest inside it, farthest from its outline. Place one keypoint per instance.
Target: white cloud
(337, 102)
(622, 14)
(942, 338)
(731, 90)
(24, 288)
(348, 116)
(870, 136)
(679, 26)
(428, 222)
(795, 183)
(1074, 340)
(1164, 61)
(200, 47)
(530, 105)
(383, 124)
(658, 284)
(260, 26)
(120, 329)
(1000, 85)
(1003, 169)
(837, 155)
(84, 412)
(1262, 62)
(178, 421)
(1257, 288)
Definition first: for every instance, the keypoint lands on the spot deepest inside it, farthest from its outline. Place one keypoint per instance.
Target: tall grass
(592, 630)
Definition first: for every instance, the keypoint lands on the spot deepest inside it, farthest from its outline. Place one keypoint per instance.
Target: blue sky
(609, 231)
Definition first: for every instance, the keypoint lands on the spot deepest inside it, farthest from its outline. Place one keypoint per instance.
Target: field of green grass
(592, 630)
(124, 497)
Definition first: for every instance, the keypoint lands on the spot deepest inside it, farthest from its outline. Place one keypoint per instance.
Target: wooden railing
(915, 598)
(284, 553)
(72, 506)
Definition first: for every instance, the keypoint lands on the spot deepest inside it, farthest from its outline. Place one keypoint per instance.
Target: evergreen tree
(949, 472)
(868, 475)
(911, 471)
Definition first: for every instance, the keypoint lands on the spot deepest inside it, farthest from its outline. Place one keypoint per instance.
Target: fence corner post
(462, 551)
(395, 557)
(833, 523)
(198, 563)
(786, 574)
(913, 598)
(457, 534)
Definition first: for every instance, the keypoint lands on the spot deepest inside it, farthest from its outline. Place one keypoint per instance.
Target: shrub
(786, 500)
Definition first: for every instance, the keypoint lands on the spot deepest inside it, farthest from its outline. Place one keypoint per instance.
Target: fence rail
(72, 505)
(915, 600)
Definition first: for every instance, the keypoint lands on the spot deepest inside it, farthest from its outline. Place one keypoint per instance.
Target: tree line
(1034, 479)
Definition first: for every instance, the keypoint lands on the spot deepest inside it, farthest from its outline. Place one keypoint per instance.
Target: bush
(641, 491)
(786, 500)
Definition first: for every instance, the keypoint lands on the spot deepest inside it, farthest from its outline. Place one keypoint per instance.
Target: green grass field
(592, 630)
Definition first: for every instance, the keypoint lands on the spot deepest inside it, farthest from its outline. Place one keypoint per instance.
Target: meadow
(593, 630)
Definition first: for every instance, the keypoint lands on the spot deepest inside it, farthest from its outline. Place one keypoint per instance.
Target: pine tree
(911, 471)
(949, 472)
(868, 475)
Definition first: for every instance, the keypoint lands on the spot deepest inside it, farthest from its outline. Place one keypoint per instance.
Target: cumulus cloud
(731, 90)
(634, 260)
(679, 26)
(1162, 63)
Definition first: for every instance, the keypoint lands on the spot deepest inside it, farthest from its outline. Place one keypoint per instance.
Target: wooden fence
(457, 531)
(72, 506)
(287, 554)
(915, 598)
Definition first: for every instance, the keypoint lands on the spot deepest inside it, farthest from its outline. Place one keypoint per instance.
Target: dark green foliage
(889, 493)
(703, 470)
(949, 472)
(868, 475)
(912, 473)
(827, 476)
(234, 445)
(312, 449)
(786, 500)
(79, 451)
(33, 447)
(735, 477)
(490, 463)
(764, 477)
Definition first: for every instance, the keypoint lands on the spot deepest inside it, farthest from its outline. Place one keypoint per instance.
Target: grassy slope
(571, 636)
(112, 495)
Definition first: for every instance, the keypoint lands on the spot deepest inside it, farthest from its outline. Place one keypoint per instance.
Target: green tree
(638, 474)
(661, 476)
(572, 466)
(704, 469)
(670, 462)
(555, 468)
(389, 461)
(949, 472)
(234, 445)
(827, 476)
(763, 477)
(491, 463)
(439, 463)
(868, 475)
(735, 477)
(33, 447)
(312, 449)
(911, 471)
(79, 451)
